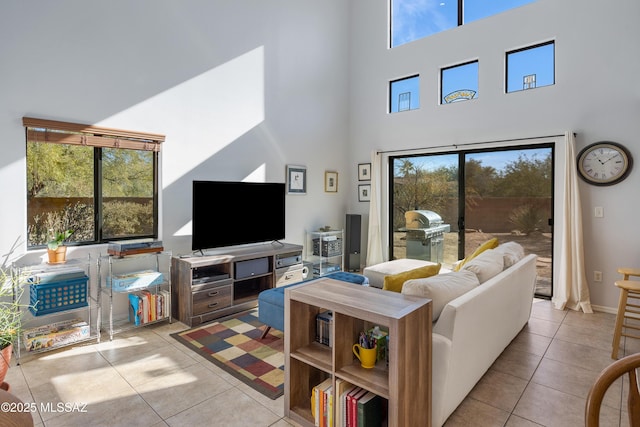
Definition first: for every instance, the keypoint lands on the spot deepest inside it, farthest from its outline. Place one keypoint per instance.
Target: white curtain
(571, 290)
(374, 241)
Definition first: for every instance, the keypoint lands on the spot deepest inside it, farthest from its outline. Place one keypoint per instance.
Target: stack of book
(134, 247)
(323, 328)
(145, 306)
(346, 406)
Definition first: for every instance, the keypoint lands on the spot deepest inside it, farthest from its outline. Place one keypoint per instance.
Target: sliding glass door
(443, 206)
(424, 207)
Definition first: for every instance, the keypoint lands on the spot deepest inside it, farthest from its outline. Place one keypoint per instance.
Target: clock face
(604, 163)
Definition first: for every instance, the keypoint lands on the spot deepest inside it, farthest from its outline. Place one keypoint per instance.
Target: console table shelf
(405, 381)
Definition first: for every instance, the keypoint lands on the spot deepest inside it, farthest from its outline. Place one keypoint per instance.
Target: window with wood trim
(101, 183)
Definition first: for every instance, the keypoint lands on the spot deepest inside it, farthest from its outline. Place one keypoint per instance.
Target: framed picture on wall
(364, 172)
(331, 182)
(364, 192)
(296, 179)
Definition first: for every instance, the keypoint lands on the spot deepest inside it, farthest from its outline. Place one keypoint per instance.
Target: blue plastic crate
(47, 298)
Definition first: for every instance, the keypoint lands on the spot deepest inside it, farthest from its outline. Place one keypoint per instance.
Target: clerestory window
(530, 67)
(404, 94)
(459, 83)
(415, 19)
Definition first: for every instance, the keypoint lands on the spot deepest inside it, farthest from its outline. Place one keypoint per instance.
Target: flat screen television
(229, 213)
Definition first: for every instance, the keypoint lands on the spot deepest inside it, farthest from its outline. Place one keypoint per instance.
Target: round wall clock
(604, 163)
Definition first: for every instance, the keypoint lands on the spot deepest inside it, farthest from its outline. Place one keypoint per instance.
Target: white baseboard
(603, 309)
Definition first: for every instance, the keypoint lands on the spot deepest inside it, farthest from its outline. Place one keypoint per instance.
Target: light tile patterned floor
(146, 378)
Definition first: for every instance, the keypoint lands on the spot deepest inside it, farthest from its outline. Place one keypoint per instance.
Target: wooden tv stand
(228, 280)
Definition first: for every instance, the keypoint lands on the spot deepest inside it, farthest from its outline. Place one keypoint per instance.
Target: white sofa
(472, 331)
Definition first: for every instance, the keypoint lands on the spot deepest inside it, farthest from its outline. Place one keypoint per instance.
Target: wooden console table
(405, 382)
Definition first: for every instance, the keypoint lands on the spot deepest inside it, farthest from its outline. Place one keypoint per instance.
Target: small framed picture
(364, 192)
(364, 172)
(331, 182)
(296, 179)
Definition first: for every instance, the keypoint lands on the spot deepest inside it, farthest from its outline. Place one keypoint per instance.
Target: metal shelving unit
(110, 266)
(325, 250)
(82, 313)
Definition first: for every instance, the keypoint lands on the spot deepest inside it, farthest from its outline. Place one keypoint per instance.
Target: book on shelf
(162, 304)
(317, 400)
(328, 407)
(145, 306)
(352, 407)
(346, 412)
(342, 389)
(370, 412)
(135, 309)
(323, 328)
(146, 302)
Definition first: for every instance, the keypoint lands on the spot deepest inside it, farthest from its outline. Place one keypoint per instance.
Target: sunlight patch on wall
(258, 175)
(204, 114)
(185, 230)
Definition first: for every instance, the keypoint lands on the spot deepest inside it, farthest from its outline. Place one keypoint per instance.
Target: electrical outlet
(599, 212)
(597, 276)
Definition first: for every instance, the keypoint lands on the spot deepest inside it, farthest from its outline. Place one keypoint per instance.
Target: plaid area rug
(234, 345)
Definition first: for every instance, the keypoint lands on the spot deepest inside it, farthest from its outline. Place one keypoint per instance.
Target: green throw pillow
(394, 282)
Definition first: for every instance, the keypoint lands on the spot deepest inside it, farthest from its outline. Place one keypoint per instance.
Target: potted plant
(10, 317)
(56, 249)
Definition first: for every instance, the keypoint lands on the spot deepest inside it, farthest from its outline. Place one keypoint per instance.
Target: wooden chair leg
(617, 332)
(266, 331)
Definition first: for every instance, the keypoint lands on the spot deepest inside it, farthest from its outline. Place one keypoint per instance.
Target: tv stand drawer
(288, 275)
(211, 299)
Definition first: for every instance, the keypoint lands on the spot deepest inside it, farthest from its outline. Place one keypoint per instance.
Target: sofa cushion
(442, 288)
(489, 244)
(512, 252)
(376, 273)
(394, 282)
(486, 265)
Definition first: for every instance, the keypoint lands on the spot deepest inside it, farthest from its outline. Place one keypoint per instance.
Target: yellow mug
(366, 356)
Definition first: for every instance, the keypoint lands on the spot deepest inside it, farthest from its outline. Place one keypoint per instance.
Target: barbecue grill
(425, 235)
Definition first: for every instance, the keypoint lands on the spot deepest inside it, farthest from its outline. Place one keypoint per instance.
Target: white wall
(240, 89)
(243, 88)
(594, 96)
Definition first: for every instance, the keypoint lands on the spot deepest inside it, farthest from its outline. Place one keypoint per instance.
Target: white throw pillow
(486, 265)
(512, 252)
(442, 288)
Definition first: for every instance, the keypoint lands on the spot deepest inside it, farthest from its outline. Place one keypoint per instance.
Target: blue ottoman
(271, 301)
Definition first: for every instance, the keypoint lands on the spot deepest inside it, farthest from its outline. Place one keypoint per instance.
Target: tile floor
(146, 378)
